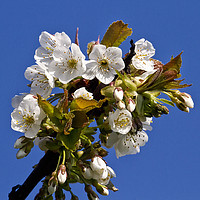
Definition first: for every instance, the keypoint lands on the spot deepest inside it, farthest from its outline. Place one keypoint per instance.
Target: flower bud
(20, 142)
(121, 105)
(131, 105)
(52, 187)
(87, 173)
(118, 94)
(102, 189)
(62, 174)
(188, 100)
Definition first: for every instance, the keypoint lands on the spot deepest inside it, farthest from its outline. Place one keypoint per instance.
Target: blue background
(168, 167)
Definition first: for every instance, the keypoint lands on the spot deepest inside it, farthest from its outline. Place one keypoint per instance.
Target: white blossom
(99, 170)
(67, 64)
(127, 144)
(27, 116)
(120, 121)
(103, 63)
(82, 92)
(142, 60)
(130, 143)
(48, 43)
(42, 81)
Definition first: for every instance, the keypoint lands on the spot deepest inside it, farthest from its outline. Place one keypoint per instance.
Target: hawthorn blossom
(120, 121)
(99, 171)
(42, 81)
(67, 64)
(142, 60)
(27, 116)
(48, 43)
(82, 92)
(103, 63)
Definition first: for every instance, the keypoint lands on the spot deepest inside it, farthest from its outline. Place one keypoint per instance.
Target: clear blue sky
(168, 167)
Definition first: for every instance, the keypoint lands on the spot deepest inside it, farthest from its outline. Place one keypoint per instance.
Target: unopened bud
(25, 150)
(90, 193)
(188, 100)
(118, 94)
(52, 187)
(62, 174)
(121, 105)
(131, 105)
(101, 189)
(52, 184)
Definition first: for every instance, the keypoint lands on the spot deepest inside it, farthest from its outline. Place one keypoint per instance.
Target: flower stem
(63, 162)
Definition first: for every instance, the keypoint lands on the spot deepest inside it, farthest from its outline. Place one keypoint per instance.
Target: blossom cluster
(119, 92)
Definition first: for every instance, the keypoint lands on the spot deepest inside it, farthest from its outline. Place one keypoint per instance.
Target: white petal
(16, 100)
(76, 52)
(97, 52)
(112, 139)
(62, 39)
(105, 77)
(113, 53)
(32, 132)
(91, 68)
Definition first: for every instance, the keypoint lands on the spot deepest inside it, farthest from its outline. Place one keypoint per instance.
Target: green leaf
(80, 119)
(69, 141)
(85, 105)
(108, 91)
(116, 34)
(53, 146)
(51, 111)
(167, 102)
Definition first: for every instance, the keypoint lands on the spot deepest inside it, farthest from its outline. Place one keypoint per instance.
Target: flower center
(122, 121)
(104, 64)
(28, 120)
(72, 63)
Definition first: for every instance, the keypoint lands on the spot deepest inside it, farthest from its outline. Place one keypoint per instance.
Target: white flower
(120, 121)
(187, 100)
(48, 43)
(27, 116)
(99, 171)
(42, 81)
(144, 51)
(67, 64)
(131, 105)
(103, 63)
(62, 174)
(127, 144)
(118, 94)
(82, 92)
